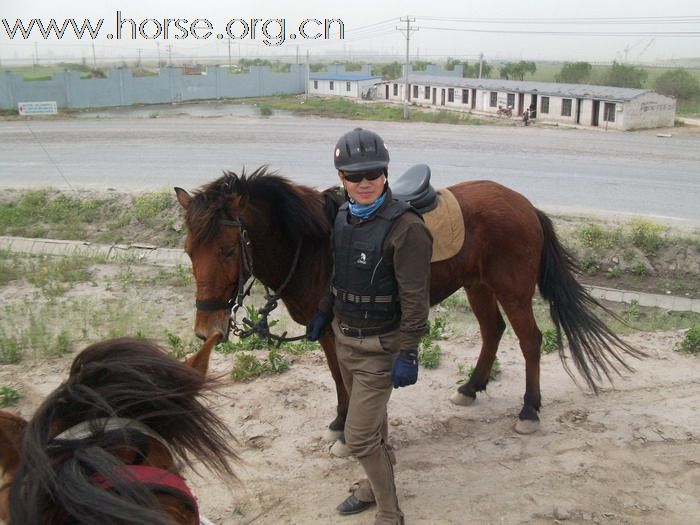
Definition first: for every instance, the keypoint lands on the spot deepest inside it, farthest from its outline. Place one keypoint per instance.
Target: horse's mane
(125, 378)
(295, 210)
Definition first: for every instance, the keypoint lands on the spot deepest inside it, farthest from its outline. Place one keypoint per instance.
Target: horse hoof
(527, 426)
(460, 399)
(340, 449)
(332, 435)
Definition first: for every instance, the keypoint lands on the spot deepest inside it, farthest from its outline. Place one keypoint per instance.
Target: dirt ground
(630, 455)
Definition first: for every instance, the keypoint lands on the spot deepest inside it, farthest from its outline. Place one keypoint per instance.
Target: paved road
(611, 173)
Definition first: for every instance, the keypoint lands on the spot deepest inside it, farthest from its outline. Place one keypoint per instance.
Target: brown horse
(107, 446)
(264, 225)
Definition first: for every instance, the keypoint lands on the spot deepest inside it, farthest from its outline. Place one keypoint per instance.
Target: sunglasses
(357, 177)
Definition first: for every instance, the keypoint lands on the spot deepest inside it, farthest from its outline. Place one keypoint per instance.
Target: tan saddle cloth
(446, 225)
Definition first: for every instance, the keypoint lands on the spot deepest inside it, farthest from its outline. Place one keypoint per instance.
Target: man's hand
(314, 330)
(405, 370)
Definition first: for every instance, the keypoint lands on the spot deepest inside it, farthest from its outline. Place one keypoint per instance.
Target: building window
(609, 112)
(493, 99)
(465, 96)
(566, 107)
(415, 91)
(332, 86)
(450, 95)
(544, 105)
(427, 93)
(511, 100)
(396, 90)
(315, 84)
(347, 86)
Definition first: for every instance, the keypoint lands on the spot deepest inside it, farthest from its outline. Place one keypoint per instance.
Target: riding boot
(380, 473)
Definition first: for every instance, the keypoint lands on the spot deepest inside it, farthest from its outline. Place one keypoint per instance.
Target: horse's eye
(228, 251)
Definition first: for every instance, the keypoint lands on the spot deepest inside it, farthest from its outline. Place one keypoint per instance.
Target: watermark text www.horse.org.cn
(270, 31)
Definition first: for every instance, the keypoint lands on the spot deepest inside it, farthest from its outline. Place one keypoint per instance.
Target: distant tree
(621, 75)
(517, 70)
(352, 66)
(574, 73)
(452, 62)
(420, 65)
(678, 83)
(387, 71)
(473, 70)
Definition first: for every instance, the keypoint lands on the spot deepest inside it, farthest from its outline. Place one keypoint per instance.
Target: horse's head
(108, 444)
(214, 245)
(238, 225)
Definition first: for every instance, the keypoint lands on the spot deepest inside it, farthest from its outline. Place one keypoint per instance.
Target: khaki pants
(365, 364)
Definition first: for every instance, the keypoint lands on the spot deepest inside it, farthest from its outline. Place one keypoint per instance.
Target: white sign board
(38, 108)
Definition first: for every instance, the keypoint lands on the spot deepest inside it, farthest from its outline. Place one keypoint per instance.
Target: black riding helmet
(361, 150)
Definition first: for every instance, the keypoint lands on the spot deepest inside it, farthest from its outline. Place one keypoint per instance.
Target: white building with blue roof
(340, 83)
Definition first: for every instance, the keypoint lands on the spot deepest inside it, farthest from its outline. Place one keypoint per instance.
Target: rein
(261, 328)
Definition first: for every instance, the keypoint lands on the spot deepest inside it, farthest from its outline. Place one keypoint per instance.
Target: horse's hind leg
(522, 319)
(492, 326)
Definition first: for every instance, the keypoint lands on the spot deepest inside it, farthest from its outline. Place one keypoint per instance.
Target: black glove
(405, 370)
(314, 330)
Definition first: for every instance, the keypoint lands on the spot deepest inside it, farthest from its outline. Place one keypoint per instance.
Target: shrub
(429, 355)
(691, 342)
(550, 341)
(647, 236)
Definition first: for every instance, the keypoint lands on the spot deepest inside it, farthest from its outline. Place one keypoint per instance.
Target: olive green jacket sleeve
(409, 246)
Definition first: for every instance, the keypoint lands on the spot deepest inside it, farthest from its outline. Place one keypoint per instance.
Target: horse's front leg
(337, 426)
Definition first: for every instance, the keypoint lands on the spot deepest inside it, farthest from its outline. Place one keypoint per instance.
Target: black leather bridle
(245, 272)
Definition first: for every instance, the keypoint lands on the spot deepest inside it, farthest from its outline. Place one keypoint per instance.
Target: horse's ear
(11, 433)
(183, 197)
(200, 360)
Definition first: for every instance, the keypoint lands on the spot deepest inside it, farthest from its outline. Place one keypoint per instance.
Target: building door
(533, 106)
(442, 97)
(473, 98)
(521, 103)
(434, 95)
(579, 102)
(596, 113)
(387, 92)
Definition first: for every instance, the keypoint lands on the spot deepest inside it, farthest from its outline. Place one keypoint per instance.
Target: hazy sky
(596, 30)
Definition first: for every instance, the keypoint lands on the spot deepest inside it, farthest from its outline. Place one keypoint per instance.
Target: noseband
(261, 328)
(159, 479)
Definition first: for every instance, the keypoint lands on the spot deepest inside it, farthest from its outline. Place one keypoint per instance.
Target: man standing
(379, 303)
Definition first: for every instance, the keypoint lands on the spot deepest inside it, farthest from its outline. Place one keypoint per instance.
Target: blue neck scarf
(365, 211)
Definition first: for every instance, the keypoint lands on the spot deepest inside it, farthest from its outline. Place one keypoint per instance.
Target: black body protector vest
(364, 285)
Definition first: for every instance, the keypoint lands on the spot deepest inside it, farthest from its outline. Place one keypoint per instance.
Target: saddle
(413, 187)
(440, 210)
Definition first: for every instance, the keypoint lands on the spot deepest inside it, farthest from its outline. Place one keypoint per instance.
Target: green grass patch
(348, 109)
(8, 397)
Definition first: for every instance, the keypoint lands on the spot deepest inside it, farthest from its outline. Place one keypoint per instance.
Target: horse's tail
(594, 347)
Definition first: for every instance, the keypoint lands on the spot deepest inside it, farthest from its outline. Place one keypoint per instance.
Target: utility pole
(481, 63)
(308, 75)
(36, 54)
(170, 55)
(229, 54)
(407, 34)
(158, 51)
(94, 58)
(138, 64)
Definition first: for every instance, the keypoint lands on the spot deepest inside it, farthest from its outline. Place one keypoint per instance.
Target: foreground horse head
(107, 446)
(223, 217)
